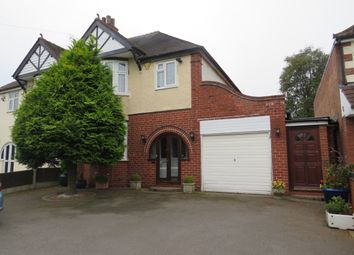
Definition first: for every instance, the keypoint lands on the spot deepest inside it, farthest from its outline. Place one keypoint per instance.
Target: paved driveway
(127, 222)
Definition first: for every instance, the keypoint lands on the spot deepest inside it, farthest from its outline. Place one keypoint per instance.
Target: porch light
(191, 135)
(179, 60)
(277, 132)
(142, 139)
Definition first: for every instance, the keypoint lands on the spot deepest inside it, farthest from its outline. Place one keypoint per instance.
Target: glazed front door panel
(168, 167)
(304, 157)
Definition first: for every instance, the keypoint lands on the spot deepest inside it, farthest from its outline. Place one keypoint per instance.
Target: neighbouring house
(39, 58)
(185, 116)
(335, 95)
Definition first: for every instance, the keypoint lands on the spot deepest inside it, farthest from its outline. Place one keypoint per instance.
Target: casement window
(14, 98)
(166, 74)
(8, 157)
(119, 76)
(125, 155)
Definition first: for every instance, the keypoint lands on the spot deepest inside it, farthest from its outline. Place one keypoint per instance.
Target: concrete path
(127, 222)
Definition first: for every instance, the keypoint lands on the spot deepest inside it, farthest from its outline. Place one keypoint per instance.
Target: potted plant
(188, 184)
(135, 182)
(338, 214)
(336, 182)
(101, 181)
(81, 182)
(278, 187)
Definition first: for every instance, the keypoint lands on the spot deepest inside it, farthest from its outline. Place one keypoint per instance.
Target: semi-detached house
(185, 116)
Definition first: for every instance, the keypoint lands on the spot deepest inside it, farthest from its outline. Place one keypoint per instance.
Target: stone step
(166, 189)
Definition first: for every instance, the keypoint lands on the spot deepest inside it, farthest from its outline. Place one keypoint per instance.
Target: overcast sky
(249, 39)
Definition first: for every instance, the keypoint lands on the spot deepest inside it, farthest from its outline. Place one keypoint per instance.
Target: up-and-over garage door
(236, 155)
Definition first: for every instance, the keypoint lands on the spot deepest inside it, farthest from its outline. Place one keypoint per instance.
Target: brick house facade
(169, 87)
(335, 93)
(210, 100)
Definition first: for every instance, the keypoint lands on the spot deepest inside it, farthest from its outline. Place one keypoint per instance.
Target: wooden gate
(304, 155)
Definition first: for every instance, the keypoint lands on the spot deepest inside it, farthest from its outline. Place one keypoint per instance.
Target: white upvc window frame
(10, 159)
(14, 101)
(114, 65)
(164, 70)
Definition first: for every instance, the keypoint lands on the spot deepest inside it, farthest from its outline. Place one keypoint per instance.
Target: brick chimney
(109, 21)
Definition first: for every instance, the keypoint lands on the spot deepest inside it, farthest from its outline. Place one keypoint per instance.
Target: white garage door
(236, 162)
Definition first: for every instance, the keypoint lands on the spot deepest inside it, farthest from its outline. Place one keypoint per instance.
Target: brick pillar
(324, 147)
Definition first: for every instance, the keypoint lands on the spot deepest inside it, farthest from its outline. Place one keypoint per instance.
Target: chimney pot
(109, 19)
(112, 21)
(104, 19)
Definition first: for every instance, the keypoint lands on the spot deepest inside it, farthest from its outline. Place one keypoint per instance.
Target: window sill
(123, 95)
(167, 87)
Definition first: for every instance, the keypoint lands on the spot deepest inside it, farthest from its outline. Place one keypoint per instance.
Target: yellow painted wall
(349, 64)
(6, 122)
(143, 97)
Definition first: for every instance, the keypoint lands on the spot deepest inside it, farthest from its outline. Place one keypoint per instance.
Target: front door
(304, 158)
(168, 159)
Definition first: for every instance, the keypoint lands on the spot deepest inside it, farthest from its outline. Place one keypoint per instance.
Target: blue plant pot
(331, 192)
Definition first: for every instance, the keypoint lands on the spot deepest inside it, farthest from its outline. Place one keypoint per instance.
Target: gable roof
(149, 46)
(348, 91)
(11, 85)
(53, 49)
(345, 34)
(157, 44)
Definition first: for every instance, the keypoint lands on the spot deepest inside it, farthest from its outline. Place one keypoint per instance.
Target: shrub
(188, 179)
(338, 176)
(337, 205)
(135, 178)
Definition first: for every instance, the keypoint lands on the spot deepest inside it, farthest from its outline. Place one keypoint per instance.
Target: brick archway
(167, 129)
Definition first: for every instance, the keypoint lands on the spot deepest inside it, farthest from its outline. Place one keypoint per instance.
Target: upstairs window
(14, 98)
(166, 74)
(119, 76)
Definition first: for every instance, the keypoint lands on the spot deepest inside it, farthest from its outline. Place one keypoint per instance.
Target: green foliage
(135, 178)
(338, 176)
(337, 205)
(300, 78)
(101, 179)
(188, 179)
(71, 114)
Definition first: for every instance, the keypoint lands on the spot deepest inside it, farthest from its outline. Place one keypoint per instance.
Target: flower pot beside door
(135, 182)
(188, 184)
(278, 187)
(338, 214)
(336, 182)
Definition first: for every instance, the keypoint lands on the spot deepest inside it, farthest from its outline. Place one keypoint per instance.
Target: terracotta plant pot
(102, 185)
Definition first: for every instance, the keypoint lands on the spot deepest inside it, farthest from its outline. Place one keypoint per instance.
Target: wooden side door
(304, 157)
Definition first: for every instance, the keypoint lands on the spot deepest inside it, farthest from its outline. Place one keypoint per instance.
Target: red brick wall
(327, 103)
(327, 100)
(324, 147)
(209, 100)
